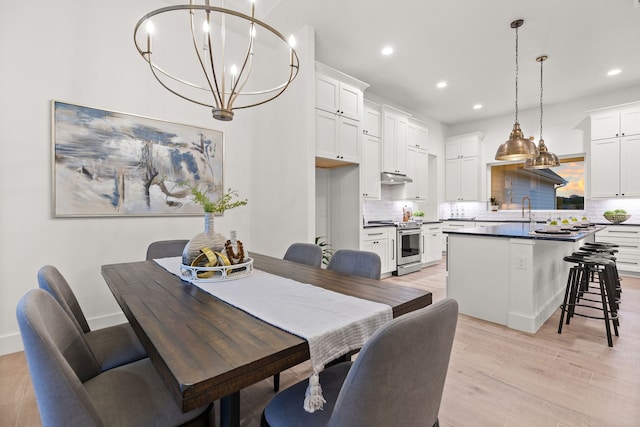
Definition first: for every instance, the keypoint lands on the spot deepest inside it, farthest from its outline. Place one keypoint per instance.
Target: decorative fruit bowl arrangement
(617, 216)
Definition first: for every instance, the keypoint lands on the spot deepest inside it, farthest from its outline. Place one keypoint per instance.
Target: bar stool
(578, 291)
(602, 248)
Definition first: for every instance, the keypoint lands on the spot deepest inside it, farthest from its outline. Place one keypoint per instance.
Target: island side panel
(478, 276)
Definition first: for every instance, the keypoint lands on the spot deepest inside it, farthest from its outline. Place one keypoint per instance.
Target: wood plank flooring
(497, 376)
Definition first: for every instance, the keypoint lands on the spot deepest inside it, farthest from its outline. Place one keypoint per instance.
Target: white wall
(81, 51)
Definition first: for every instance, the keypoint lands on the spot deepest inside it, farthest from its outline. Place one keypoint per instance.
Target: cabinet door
(327, 93)
(418, 136)
(372, 125)
(605, 125)
(605, 176)
(389, 126)
(370, 167)
(452, 180)
(381, 247)
(469, 146)
(326, 134)
(401, 145)
(630, 121)
(470, 178)
(418, 171)
(349, 140)
(629, 170)
(350, 102)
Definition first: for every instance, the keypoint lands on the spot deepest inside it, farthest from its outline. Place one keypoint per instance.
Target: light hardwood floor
(497, 376)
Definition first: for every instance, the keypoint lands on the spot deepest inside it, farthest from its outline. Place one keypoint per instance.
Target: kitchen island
(508, 275)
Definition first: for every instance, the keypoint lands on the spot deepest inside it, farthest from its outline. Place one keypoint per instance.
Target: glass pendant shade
(544, 160)
(517, 147)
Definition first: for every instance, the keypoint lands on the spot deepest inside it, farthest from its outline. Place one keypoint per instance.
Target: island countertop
(521, 231)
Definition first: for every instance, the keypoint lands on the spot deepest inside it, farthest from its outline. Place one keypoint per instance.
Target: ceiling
(470, 45)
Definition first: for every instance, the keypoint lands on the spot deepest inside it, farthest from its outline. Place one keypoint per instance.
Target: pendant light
(545, 159)
(517, 147)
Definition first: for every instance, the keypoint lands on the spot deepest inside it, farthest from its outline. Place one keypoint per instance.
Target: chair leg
(276, 383)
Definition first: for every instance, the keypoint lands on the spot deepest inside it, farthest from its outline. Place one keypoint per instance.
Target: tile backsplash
(386, 209)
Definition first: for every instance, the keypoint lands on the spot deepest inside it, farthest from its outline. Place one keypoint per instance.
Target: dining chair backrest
(304, 253)
(59, 360)
(356, 263)
(166, 248)
(399, 375)
(51, 280)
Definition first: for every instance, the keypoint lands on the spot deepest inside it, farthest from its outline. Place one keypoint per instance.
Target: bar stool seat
(578, 291)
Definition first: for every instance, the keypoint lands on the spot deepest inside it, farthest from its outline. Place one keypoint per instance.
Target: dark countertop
(376, 224)
(521, 231)
(538, 221)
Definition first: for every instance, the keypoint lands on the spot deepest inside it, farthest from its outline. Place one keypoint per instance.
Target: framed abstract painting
(107, 163)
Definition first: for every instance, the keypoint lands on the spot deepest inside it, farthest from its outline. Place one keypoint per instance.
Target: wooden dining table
(206, 349)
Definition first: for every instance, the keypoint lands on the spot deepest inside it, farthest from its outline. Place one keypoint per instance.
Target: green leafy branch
(219, 206)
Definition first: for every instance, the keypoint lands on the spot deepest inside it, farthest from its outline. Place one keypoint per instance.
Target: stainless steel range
(409, 254)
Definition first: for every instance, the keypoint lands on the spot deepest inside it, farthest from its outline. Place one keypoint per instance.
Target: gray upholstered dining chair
(304, 253)
(356, 263)
(166, 248)
(71, 389)
(112, 346)
(397, 379)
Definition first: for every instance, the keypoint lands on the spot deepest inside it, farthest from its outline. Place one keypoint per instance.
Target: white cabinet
(394, 140)
(337, 137)
(463, 168)
(431, 235)
(418, 171)
(417, 135)
(381, 240)
(370, 167)
(615, 122)
(372, 121)
(615, 148)
(454, 225)
(339, 110)
(627, 237)
(338, 97)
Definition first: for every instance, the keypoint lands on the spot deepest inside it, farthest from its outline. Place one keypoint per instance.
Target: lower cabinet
(431, 235)
(453, 225)
(381, 240)
(627, 237)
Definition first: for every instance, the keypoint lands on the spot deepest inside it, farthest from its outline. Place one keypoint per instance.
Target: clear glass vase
(207, 239)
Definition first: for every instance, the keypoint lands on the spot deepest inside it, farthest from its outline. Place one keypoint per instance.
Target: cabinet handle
(374, 234)
(628, 246)
(393, 253)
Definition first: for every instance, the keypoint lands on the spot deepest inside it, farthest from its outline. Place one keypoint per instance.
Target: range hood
(389, 178)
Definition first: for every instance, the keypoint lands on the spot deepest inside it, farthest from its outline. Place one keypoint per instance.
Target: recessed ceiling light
(387, 50)
(614, 72)
(441, 85)
(477, 106)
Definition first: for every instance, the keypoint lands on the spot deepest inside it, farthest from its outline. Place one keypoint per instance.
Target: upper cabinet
(615, 148)
(395, 128)
(418, 171)
(338, 97)
(615, 122)
(339, 114)
(463, 168)
(372, 120)
(418, 135)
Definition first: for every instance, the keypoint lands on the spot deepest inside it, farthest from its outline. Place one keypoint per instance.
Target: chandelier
(222, 43)
(517, 147)
(545, 158)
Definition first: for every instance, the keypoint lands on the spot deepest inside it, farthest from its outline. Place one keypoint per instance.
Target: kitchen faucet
(522, 202)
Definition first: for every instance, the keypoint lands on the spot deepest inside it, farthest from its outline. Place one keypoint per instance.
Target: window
(549, 189)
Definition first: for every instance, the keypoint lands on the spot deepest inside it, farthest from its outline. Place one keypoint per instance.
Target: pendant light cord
(516, 74)
(541, 99)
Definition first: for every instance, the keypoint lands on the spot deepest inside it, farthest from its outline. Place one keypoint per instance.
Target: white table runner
(332, 323)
